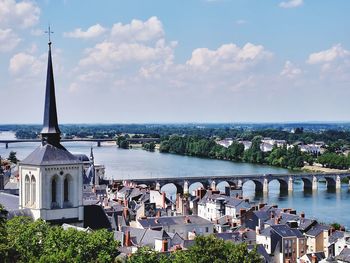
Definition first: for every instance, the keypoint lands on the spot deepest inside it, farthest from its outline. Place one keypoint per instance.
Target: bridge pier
(314, 183)
(6, 145)
(266, 185)
(338, 182)
(158, 186)
(290, 184)
(213, 185)
(186, 187)
(98, 144)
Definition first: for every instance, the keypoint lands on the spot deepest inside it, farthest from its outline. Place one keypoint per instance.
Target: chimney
(126, 212)
(163, 200)
(302, 215)
(187, 220)
(242, 212)
(261, 205)
(127, 240)
(257, 230)
(201, 192)
(278, 220)
(342, 228)
(164, 245)
(314, 258)
(292, 212)
(234, 224)
(272, 215)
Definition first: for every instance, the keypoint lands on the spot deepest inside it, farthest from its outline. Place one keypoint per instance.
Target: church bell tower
(51, 177)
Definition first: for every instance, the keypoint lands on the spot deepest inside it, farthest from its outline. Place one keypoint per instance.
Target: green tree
(147, 255)
(12, 157)
(211, 249)
(235, 151)
(254, 154)
(122, 142)
(3, 233)
(37, 241)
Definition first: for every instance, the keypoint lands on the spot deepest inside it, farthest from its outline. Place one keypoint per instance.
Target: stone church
(51, 179)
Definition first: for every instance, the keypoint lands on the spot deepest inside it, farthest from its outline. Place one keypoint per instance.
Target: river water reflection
(323, 204)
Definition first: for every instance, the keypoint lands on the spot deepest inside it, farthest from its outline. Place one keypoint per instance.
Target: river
(326, 206)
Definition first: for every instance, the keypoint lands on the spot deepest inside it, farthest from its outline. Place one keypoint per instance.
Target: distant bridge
(261, 181)
(98, 141)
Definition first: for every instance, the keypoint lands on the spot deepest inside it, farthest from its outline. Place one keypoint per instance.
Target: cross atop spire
(49, 32)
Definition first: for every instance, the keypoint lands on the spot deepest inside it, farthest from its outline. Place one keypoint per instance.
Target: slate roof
(344, 255)
(335, 236)
(316, 230)
(9, 201)
(266, 232)
(319, 256)
(50, 155)
(20, 212)
(305, 224)
(95, 217)
(142, 237)
(285, 231)
(82, 157)
(172, 220)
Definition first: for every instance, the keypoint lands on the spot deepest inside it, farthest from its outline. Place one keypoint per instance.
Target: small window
(66, 190)
(33, 190)
(54, 192)
(27, 190)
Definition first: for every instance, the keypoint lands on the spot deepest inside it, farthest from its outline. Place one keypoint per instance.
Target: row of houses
(267, 145)
(149, 218)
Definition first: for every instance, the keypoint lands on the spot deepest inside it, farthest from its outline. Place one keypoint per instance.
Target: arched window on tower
(66, 190)
(54, 203)
(27, 190)
(33, 190)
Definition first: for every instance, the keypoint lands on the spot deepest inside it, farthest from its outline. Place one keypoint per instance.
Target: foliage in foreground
(24, 240)
(206, 249)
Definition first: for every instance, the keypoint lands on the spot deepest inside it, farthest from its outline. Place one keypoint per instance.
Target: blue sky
(177, 61)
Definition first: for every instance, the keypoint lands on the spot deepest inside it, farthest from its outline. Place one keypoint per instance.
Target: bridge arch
(258, 184)
(331, 182)
(283, 183)
(193, 185)
(307, 182)
(173, 186)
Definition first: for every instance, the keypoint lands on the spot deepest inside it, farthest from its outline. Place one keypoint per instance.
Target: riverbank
(320, 169)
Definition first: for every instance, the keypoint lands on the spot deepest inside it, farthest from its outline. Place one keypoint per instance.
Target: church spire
(50, 133)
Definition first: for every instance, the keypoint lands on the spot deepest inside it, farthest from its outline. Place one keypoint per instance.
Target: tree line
(207, 147)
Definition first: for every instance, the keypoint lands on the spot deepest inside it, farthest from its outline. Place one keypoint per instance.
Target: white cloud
(8, 40)
(291, 3)
(92, 32)
(228, 57)
(138, 31)
(23, 14)
(290, 70)
(110, 54)
(23, 63)
(37, 32)
(329, 55)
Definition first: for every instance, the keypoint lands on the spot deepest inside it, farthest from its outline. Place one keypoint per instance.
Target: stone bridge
(261, 181)
(98, 141)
